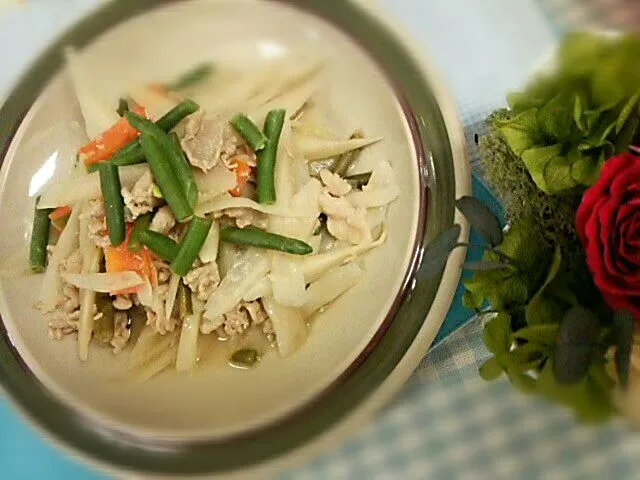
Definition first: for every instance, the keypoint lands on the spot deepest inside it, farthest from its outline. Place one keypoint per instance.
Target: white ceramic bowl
(359, 351)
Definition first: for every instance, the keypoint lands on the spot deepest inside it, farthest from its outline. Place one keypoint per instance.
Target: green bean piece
(173, 154)
(191, 244)
(39, 238)
(131, 154)
(182, 169)
(347, 159)
(123, 106)
(249, 131)
(164, 176)
(191, 77)
(255, 237)
(103, 326)
(267, 156)
(176, 114)
(161, 245)
(141, 224)
(244, 358)
(183, 301)
(113, 202)
(358, 180)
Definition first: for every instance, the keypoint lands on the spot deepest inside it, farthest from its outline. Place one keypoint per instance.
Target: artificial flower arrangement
(559, 286)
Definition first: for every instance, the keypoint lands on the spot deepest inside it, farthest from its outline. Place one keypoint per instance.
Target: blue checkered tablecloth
(446, 423)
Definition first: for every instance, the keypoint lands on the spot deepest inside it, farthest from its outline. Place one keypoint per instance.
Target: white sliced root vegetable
(287, 281)
(155, 104)
(283, 179)
(157, 364)
(104, 282)
(145, 294)
(305, 201)
(67, 243)
(91, 257)
(314, 266)
(307, 128)
(330, 286)
(209, 251)
(288, 325)
(172, 291)
(374, 198)
(291, 101)
(228, 255)
(318, 148)
(234, 96)
(86, 187)
(253, 265)
(225, 201)
(188, 346)
(215, 182)
(97, 115)
(261, 288)
(150, 344)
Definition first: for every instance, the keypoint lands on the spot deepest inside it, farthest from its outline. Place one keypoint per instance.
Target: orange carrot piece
(109, 142)
(242, 170)
(60, 212)
(120, 259)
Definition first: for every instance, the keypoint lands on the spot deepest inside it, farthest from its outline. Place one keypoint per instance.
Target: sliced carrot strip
(109, 142)
(60, 212)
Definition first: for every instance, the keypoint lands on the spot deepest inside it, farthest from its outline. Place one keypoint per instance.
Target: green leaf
(585, 170)
(524, 383)
(484, 266)
(579, 106)
(556, 118)
(541, 334)
(623, 332)
(481, 218)
(471, 301)
(625, 137)
(536, 159)
(575, 346)
(554, 269)
(437, 252)
(599, 136)
(543, 309)
(526, 354)
(497, 333)
(490, 369)
(626, 112)
(557, 175)
(521, 133)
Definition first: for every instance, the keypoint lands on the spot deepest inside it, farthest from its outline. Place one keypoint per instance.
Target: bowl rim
(439, 291)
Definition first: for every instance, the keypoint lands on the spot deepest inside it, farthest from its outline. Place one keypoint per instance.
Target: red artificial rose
(608, 223)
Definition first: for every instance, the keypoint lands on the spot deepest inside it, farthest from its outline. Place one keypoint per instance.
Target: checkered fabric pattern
(449, 424)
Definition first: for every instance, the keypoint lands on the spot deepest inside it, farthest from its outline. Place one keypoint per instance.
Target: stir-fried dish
(205, 209)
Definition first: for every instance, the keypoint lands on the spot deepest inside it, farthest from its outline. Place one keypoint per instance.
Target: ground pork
(139, 199)
(203, 280)
(121, 331)
(97, 222)
(163, 220)
(245, 217)
(237, 321)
